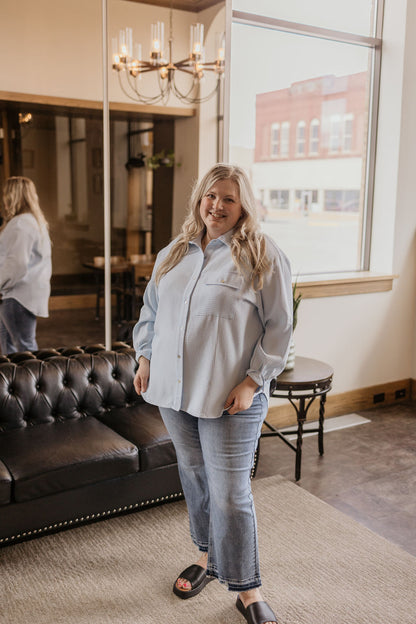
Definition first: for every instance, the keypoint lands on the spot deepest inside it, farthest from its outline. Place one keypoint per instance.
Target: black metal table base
(301, 413)
(301, 386)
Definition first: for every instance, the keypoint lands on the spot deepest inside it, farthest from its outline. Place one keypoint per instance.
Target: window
(348, 132)
(274, 147)
(279, 199)
(335, 133)
(342, 200)
(300, 138)
(324, 98)
(285, 139)
(314, 137)
(306, 201)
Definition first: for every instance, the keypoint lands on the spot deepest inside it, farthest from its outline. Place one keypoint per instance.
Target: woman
(25, 266)
(214, 329)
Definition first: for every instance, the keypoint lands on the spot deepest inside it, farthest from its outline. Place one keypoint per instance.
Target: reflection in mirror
(51, 132)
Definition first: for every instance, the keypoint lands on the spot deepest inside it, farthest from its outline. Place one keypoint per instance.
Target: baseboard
(284, 414)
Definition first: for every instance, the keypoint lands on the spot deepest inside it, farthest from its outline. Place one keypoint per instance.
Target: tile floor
(368, 472)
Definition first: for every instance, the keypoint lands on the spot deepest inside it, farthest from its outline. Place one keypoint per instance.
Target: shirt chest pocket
(219, 296)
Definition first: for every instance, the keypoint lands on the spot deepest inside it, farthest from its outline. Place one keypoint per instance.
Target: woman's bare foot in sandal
(251, 596)
(184, 584)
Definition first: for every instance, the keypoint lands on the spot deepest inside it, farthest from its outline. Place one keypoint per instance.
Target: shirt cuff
(147, 353)
(256, 376)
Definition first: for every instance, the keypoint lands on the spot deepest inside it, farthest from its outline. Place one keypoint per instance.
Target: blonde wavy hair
(248, 245)
(20, 196)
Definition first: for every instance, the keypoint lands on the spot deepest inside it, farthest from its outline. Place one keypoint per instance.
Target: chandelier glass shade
(131, 67)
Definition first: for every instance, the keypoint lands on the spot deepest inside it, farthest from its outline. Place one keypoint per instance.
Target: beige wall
(53, 47)
(40, 54)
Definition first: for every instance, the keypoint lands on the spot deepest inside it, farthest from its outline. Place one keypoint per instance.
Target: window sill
(354, 283)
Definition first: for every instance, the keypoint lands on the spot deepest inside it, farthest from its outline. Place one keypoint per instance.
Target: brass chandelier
(131, 68)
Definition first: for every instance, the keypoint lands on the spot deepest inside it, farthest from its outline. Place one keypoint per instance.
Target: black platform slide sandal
(256, 612)
(197, 576)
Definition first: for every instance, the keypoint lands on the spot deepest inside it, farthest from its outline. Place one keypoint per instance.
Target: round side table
(308, 380)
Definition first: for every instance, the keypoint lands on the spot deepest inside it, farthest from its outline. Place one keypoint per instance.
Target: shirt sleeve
(16, 243)
(271, 351)
(143, 331)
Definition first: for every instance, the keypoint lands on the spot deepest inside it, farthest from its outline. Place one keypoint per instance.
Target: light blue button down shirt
(25, 263)
(204, 329)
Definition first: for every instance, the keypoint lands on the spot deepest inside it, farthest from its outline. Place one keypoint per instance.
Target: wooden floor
(367, 471)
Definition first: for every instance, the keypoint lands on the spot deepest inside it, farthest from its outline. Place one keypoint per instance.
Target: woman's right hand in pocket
(141, 378)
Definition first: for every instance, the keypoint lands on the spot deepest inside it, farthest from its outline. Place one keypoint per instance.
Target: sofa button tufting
(11, 390)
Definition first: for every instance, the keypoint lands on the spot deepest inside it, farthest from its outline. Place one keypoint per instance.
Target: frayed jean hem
(237, 586)
(201, 547)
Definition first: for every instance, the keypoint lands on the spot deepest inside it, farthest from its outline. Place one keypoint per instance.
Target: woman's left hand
(241, 397)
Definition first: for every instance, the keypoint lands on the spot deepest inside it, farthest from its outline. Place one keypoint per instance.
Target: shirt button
(179, 381)
(186, 300)
(179, 356)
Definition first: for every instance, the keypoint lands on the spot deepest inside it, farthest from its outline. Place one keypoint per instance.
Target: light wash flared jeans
(17, 327)
(215, 458)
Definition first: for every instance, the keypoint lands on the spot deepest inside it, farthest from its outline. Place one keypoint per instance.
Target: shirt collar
(224, 238)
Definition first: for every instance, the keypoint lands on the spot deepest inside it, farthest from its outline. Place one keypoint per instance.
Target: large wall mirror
(51, 131)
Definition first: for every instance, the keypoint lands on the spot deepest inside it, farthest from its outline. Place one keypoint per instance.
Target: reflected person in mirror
(25, 266)
(214, 329)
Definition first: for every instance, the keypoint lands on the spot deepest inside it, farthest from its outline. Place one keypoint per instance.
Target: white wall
(370, 339)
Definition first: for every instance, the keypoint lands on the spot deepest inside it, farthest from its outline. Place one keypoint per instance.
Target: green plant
(163, 158)
(297, 296)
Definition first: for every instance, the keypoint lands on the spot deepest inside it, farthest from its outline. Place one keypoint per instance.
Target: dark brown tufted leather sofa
(76, 442)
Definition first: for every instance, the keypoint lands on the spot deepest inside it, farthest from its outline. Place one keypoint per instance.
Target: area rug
(318, 567)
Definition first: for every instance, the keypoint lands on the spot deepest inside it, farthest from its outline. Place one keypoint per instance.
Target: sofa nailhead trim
(5, 540)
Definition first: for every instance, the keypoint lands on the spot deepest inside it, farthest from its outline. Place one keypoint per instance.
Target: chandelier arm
(179, 94)
(143, 98)
(186, 71)
(201, 100)
(165, 90)
(186, 97)
(186, 61)
(138, 96)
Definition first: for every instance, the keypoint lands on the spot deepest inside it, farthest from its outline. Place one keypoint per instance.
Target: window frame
(348, 117)
(373, 43)
(301, 139)
(285, 139)
(315, 123)
(275, 140)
